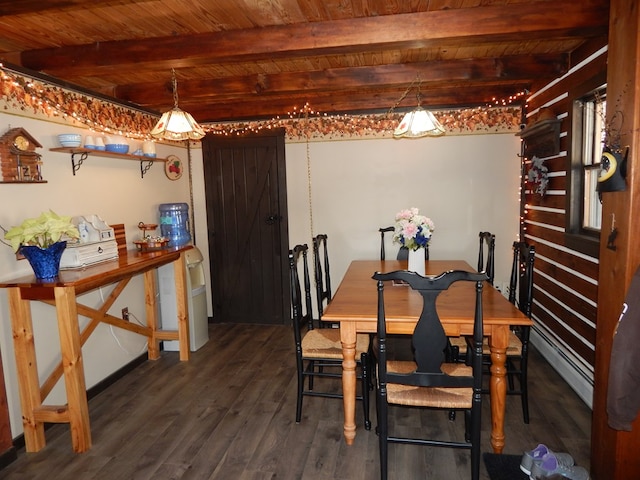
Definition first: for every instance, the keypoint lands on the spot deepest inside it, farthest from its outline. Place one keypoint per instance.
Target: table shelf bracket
(75, 166)
(144, 167)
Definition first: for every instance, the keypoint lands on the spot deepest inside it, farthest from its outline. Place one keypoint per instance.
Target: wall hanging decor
(538, 176)
(19, 161)
(613, 171)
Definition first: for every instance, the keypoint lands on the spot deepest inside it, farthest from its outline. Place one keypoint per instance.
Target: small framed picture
(173, 167)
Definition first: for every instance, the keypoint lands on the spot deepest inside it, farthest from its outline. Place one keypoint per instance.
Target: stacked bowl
(70, 140)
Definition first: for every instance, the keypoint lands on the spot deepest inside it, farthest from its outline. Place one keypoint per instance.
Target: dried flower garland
(36, 97)
(538, 176)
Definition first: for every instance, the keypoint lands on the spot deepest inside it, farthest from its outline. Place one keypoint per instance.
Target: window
(585, 145)
(593, 117)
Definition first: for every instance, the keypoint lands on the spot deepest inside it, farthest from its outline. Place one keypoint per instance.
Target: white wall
(112, 189)
(465, 184)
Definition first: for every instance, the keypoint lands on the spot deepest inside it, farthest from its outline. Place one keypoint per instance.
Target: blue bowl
(150, 155)
(90, 147)
(100, 147)
(117, 147)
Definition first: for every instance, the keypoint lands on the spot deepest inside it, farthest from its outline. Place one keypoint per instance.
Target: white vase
(416, 261)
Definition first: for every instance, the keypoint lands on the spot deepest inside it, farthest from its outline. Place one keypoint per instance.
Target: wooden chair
(318, 350)
(521, 295)
(489, 239)
(403, 252)
(321, 276)
(459, 344)
(429, 381)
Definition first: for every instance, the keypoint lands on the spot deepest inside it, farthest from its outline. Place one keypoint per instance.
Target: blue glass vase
(44, 261)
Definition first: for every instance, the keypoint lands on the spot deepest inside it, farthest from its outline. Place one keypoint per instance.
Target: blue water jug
(174, 223)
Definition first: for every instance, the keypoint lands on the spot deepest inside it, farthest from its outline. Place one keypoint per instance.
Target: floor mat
(503, 467)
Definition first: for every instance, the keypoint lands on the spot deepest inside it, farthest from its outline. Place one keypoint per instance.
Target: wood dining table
(354, 306)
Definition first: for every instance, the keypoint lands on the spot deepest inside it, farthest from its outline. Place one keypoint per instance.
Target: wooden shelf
(145, 162)
(542, 138)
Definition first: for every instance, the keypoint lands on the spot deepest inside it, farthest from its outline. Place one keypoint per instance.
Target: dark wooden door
(245, 186)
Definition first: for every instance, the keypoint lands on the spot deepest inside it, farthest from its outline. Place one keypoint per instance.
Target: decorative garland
(36, 98)
(537, 176)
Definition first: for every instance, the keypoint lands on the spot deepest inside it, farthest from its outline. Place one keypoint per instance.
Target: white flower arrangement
(412, 230)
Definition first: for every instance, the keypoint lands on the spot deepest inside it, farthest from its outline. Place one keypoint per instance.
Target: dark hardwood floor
(229, 413)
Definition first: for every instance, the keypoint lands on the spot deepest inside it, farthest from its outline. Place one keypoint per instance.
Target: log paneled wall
(565, 280)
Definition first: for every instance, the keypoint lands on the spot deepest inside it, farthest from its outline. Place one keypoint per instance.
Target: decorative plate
(173, 167)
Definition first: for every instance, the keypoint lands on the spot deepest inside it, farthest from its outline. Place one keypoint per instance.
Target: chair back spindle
(488, 239)
(321, 274)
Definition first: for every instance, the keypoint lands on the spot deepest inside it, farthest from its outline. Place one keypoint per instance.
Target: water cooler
(174, 223)
(196, 301)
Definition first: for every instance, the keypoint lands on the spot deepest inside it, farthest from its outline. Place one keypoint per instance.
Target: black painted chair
(321, 276)
(403, 252)
(428, 381)
(521, 295)
(488, 239)
(318, 350)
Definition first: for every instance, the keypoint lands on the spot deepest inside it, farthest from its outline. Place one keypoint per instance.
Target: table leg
(151, 312)
(71, 351)
(498, 343)
(348, 339)
(27, 369)
(180, 269)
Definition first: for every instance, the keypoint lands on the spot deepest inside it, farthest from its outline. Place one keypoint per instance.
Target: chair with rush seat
(318, 350)
(429, 381)
(488, 239)
(521, 295)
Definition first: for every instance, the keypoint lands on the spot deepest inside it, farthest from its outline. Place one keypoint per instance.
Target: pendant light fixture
(418, 122)
(177, 124)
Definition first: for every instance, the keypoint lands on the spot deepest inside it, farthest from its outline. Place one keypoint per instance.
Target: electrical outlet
(125, 313)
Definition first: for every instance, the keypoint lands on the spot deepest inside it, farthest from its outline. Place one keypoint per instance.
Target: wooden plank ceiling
(241, 59)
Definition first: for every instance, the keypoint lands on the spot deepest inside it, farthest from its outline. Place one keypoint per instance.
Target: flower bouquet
(412, 230)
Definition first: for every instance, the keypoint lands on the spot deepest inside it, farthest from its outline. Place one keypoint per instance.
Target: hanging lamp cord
(174, 85)
(193, 212)
(309, 182)
(417, 82)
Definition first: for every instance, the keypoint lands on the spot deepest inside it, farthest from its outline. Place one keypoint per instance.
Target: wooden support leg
(180, 269)
(348, 339)
(151, 310)
(498, 387)
(28, 383)
(71, 350)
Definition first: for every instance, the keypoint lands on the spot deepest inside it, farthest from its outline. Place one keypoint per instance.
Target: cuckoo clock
(18, 157)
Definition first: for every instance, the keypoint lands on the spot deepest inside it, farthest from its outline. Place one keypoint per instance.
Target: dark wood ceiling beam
(349, 102)
(443, 27)
(157, 95)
